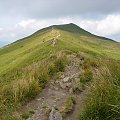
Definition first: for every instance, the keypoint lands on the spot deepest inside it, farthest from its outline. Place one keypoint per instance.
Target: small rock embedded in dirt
(68, 85)
(66, 79)
(71, 90)
(52, 82)
(56, 88)
(62, 85)
(55, 115)
(57, 81)
(65, 84)
(39, 99)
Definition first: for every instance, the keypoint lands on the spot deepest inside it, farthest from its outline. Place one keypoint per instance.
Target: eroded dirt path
(78, 108)
(56, 93)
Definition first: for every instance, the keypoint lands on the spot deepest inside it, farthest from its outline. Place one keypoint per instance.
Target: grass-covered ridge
(26, 65)
(38, 46)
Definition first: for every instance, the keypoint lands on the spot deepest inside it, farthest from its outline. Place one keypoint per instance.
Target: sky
(20, 18)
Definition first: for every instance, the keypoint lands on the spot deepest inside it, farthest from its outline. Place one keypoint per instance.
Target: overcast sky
(20, 18)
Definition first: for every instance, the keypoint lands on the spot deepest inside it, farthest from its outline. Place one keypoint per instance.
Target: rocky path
(55, 37)
(56, 93)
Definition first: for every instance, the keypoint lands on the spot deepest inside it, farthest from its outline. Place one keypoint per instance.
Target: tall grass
(103, 102)
(34, 78)
(87, 74)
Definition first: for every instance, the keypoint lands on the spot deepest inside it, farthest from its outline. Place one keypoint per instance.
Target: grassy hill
(72, 38)
(24, 60)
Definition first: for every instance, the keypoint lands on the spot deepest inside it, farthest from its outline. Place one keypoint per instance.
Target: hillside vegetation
(28, 64)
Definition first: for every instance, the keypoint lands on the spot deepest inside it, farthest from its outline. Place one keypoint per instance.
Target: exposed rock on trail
(55, 115)
(55, 94)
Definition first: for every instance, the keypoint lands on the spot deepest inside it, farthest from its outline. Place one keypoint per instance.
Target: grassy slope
(30, 50)
(33, 48)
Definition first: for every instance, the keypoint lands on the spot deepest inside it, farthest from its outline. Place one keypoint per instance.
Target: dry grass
(34, 78)
(103, 101)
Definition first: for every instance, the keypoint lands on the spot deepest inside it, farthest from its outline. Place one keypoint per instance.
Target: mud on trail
(57, 91)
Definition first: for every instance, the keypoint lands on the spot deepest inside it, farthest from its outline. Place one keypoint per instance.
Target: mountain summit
(73, 28)
(67, 27)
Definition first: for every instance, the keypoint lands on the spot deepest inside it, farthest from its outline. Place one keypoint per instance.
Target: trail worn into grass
(55, 95)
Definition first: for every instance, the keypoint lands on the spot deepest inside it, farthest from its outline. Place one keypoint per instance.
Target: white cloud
(26, 23)
(12, 35)
(110, 25)
(38, 24)
(1, 29)
(107, 26)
